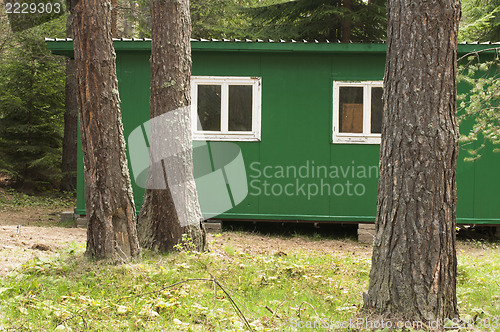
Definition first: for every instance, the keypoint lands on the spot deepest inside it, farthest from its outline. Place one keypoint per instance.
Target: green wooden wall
(297, 131)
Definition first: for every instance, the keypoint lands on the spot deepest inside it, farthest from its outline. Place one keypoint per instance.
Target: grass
(45, 293)
(274, 292)
(478, 286)
(12, 200)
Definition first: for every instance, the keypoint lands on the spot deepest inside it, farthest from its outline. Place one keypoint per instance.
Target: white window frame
(224, 134)
(366, 137)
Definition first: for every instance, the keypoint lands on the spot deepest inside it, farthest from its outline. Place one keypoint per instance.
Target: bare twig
(75, 316)
(271, 311)
(234, 304)
(477, 52)
(213, 280)
(279, 306)
(304, 302)
(215, 291)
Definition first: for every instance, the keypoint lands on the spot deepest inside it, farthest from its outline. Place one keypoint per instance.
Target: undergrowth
(204, 291)
(12, 200)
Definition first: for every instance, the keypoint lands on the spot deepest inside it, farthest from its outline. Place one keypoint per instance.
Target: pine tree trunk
(114, 18)
(111, 232)
(69, 146)
(414, 261)
(346, 21)
(173, 209)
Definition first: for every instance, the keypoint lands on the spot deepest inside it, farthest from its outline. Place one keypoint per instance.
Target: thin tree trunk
(128, 23)
(414, 261)
(173, 209)
(114, 18)
(111, 231)
(346, 21)
(69, 146)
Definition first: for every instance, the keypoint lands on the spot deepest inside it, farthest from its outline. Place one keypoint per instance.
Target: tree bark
(111, 232)
(414, 261)
(346, 21)
(114, 18)
(172, 209)
(69, 146)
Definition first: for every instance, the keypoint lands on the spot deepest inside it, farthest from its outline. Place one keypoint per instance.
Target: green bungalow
(304, 121)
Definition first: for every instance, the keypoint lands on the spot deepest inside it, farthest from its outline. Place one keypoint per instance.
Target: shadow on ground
(288, 229)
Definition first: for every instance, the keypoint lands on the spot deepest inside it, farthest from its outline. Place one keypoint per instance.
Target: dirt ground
(33, 241)
(39, 235)
(253, 243)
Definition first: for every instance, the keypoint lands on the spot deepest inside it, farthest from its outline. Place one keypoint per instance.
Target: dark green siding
(297, 130)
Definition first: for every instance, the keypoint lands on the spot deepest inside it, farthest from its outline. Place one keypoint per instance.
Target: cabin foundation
(213, 226)
(366, 233)
(81, 221)
(67, 216)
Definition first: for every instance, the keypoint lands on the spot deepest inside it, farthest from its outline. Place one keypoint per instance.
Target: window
(228, 108)
(357, 112)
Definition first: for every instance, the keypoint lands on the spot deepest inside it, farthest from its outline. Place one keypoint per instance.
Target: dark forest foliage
(32, 108)
(321, 19)
(278, 19)
(32, 81)
(480, 20)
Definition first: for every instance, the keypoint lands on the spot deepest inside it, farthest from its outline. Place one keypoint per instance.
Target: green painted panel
(295, 172)
(487, 186)
(250, 153)
(355, 166)
(226, 64)
(465, 169)
(358, 67)
(354, 178)
(465, 172)
(295, 133)
(465, 186)
(229, 64)
(134, 77)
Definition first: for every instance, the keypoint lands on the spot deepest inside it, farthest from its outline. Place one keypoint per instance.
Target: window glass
(351, 109)
(240, 107)
(228, 108)
(209, 107)
(376, 110)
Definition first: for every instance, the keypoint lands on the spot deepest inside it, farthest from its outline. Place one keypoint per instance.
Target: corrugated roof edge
(213, 40)
(315, 41)
(63, 46)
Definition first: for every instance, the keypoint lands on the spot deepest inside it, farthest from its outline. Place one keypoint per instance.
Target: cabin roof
(64, 46)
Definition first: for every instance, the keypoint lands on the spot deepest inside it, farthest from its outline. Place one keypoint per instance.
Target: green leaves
(479, 109)
(277, 19)
(480, 20)
(320, 19)
(32, 108)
